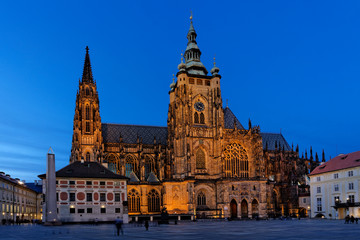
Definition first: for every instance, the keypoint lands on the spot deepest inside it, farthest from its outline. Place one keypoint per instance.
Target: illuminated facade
(204, 163)
(18, 202)
(334, 187)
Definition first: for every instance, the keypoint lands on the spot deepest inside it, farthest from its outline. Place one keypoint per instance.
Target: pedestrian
(352, 219)
(147, 225)
(118, 224)
(356, 220)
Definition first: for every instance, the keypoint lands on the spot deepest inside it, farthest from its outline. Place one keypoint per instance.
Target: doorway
(233, 208)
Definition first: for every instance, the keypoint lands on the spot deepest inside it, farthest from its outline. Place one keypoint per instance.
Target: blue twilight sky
(290, 66)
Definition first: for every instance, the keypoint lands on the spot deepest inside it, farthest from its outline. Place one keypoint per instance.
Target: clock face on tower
(199, 106)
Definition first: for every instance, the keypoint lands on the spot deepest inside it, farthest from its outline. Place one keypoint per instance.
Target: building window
(89, 197)
(81, 210)
(72, 197)
(102, 183)
(153, 201)
(200, 159)
(196, 117)
(236, 161)
(130, 165)
(117, 210)
(149, 165)
(318, 179)
(72, 182)
(351, 186)
(87, 92)
(350, 173)
(102, 197)
(87, 113)
(318, 190)
(336, 199)
(89, 210)
(57, 196)
(113, 163)
(199, 82)
(351, 199)
(207, 82)
(87, 127)
(304, 200)
(202, 118)
(191, 81)
(117, 197)
(201, 199)
(336, 175)
(336, 187)
(88, 183)
(102, 210)
(318, 204)
(133, 201)
(72, 210)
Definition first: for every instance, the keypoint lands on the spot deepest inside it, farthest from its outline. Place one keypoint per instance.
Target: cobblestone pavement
(274, 229)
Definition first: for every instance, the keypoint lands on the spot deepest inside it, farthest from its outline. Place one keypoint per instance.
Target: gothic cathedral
(204, 164)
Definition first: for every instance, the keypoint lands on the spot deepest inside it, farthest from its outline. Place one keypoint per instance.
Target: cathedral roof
(78, 169)
(230, 120)
(130, 133)
(87, 72)
(271, 138)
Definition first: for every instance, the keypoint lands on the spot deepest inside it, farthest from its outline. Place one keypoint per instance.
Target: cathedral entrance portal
(233, 209)
(244, 209)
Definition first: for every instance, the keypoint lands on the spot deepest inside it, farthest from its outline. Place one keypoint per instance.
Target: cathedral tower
(195, 117)
(87, 138)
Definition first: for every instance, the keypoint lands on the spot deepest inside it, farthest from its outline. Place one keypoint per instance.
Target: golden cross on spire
(182, 59)
(191, 15)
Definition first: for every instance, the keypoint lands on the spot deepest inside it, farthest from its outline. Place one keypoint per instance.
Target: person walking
(118, 224)
(147, 225)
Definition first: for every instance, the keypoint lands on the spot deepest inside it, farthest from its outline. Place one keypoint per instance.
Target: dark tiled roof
(230, 119)
(111, 133)
(35, 187)
(85, 170)
(342, 161)
(15, 182)
(271, 138)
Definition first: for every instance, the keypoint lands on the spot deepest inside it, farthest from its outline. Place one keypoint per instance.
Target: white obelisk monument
(50, 194)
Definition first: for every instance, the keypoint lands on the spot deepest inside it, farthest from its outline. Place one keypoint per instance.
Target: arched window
(200, 159)
(153, 201)
(87, 92)
(149, 165)
(87, 112)
(202, 118)
(130, 165)
(133, 201)
(201, 199)
(196, 117)
(87, 157)
(113, 163)
(76, 137)
(236, 162)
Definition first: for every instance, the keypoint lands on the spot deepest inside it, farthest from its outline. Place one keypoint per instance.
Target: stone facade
(204, 163)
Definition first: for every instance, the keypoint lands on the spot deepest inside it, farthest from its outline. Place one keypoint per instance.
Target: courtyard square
(273, 229)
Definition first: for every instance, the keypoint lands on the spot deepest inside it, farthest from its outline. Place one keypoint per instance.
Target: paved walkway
(274, 229)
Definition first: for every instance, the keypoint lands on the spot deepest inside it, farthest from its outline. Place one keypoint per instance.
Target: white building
(87, 192)
(334, 187)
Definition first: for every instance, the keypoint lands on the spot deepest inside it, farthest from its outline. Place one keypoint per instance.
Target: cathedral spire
(192, 53)
(87, 73)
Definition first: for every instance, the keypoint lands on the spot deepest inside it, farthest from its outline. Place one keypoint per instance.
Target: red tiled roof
(344, 161)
